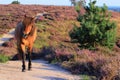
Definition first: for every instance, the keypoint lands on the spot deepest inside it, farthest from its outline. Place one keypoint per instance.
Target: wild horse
(25, 34)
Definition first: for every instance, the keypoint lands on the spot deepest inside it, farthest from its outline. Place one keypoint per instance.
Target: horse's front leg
(22, 52)
(29, 50)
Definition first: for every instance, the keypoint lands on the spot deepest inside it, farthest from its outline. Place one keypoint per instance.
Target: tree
(77, 2)
(80, 4)
(73, 2)
(95, 28)
(15, 2)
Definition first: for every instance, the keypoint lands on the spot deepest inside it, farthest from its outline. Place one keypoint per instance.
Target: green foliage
(15, 2)
(85, 77)
(96, 28)
(3, 58)
(42, 37)
(41, 42)
(77, 7)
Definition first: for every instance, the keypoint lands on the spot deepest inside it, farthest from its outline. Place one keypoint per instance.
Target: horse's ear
(33, 18)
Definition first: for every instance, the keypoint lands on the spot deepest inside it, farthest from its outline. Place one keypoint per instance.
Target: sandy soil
(40, 71)
(7, 36)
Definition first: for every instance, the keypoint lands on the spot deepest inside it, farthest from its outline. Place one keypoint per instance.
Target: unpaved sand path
(7, 36)
(40, 71)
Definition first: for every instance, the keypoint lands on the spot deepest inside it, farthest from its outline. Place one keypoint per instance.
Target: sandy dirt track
(40, 71)
(7, 36)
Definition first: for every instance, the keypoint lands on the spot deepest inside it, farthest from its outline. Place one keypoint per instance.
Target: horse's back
(18, 30)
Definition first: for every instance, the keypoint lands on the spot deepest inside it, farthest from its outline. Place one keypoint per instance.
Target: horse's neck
(21, 27)
(33, 29)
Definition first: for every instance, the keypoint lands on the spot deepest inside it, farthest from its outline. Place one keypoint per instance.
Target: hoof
(29, 69)
(23, 70)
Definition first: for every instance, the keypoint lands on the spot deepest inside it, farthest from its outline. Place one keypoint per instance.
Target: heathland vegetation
(87, 44)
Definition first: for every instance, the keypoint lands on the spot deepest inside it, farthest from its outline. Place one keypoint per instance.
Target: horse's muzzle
(25, 36)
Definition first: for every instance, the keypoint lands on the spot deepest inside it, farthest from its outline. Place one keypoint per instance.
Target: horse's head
(28, 24)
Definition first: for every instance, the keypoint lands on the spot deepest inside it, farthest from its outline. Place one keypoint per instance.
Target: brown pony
(25, 34)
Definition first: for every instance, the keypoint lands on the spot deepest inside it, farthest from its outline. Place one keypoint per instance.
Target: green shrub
(3, 58)
(15, 2)
(96, 28)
